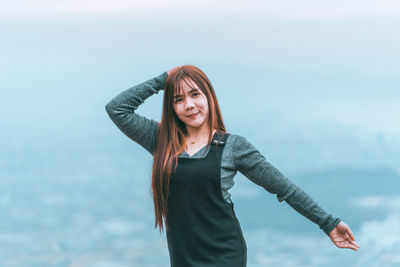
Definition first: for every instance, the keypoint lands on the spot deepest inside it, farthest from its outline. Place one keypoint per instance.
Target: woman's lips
(193, 115)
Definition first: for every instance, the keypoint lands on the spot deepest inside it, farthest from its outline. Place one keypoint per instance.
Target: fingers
(350, 233)
(343, 243)
(352, 246)
(350, 238)
(355, 244)
(347, 237)
(347, 231)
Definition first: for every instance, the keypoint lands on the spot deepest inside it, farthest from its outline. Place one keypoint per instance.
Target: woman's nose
(189, 103)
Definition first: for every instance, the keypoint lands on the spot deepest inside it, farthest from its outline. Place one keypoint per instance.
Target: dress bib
(203, 228)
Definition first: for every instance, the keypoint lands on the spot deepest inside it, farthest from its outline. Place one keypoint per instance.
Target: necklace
(194, 141)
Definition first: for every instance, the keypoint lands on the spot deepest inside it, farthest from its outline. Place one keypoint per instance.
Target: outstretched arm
(121, 110)
(251, 163)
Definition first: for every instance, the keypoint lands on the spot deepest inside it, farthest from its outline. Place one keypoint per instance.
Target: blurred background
(314, 85)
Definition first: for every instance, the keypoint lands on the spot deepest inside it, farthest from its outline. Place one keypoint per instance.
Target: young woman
(195, 160)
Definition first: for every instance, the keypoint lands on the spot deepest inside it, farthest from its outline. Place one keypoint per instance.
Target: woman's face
(191, 106)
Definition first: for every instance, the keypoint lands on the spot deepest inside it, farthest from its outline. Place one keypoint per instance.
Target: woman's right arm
(121, 110)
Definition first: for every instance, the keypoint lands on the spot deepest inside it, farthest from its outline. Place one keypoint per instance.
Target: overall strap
(218, 143)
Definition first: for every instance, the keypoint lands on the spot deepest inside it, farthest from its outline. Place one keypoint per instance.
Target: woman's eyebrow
(193, 90)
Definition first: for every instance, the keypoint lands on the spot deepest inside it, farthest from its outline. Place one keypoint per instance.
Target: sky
(254, 10)
(312, 75)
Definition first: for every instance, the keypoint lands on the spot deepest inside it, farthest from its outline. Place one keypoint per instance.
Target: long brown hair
(171, 137)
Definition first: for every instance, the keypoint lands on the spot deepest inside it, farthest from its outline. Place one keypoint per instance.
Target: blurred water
(74, 201)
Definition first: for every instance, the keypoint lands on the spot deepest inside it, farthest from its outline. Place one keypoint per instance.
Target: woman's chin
(194, 124)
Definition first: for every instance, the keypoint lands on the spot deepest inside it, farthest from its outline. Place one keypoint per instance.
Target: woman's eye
(177, 100)
(196, 94)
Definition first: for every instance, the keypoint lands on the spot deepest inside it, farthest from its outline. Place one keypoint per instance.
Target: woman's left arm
(252, 164)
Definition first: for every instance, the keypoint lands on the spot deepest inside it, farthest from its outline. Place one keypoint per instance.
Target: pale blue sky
(293, 75)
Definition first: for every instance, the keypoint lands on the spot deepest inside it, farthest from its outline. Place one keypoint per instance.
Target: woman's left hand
(342, 237)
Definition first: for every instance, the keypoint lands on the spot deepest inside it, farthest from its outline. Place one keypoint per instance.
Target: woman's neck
(198, 134)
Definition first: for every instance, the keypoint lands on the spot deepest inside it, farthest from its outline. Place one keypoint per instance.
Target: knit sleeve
(121, 110)
(252, 164)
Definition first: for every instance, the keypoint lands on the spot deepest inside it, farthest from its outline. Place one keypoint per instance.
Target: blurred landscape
(85, 201)
(313, 85)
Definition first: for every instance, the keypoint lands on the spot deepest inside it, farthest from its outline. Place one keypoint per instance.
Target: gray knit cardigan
(238, 155)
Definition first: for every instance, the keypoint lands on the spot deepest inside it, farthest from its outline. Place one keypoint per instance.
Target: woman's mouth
(193, 115)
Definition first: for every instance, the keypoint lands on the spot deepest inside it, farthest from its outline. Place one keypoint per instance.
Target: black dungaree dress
(203, 228)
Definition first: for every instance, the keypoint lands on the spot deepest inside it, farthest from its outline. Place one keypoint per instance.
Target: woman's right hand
(171, 70)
